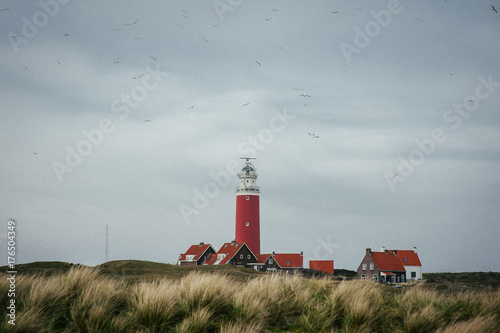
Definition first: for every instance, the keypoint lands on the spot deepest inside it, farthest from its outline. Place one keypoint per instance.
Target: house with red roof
(233, 253)
(411, 262)
(325, 265)
(381, 266)
(196, 255)
(289, 263)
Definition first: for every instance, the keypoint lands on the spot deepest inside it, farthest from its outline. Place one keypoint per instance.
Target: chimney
(414, 249)
(274, 253)
(233, 241)
(383, 249)
(302, 253)
(368, 251)
(201, 243)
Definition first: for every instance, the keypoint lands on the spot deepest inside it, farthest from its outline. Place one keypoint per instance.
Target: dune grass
(85, 300)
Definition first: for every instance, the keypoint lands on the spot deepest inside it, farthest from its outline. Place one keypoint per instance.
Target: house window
(372, 266)
(247, 224)
(189, 257)
(248, 198)
(364, 267)
(375, 277)
(248, 256)
(256, 267)
(404, 259)
(363, 277)
(413, 275)
(270, 261)
(402, 278)
(241, 256)
(288, 262)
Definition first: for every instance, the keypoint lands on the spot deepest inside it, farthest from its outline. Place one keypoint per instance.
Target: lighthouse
(247, 208)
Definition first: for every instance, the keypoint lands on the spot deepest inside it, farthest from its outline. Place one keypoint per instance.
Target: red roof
(388, 273)
(196, 250)
(322, 265)
(225, 253)
(261, 258)
(408, 257)
(289, 260)
(387, 261)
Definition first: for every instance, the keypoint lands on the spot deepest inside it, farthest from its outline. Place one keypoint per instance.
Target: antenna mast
(107, 244)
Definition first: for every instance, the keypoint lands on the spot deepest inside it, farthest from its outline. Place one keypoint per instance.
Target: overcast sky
(374, 123)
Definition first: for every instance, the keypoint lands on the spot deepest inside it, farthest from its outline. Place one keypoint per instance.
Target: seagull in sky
(493, 9)
(258, 63)
(396, 174)
(135, 22)
(180, 26)
(66, 35)
(313, 135)
(419, 20)
(191, 107)
(5, 9)
(116, 61)
(204, 39)
(304, 95)
(335, 12)
(275, 10)
(298, 89)
(153, 58)
(138, 77)
(245, 104)
(115, 29)
(147, 121)
(268, 19)
(34, 152)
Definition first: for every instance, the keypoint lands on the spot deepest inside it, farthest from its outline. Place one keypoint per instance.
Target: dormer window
(247, 224)
(404, 259)
(248, 198)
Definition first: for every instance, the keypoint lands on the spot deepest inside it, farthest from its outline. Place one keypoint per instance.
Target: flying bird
(314, 136)
(5, 9)
(493, 9)
(268, 19)
(147, 121)
(335, 12)
(14, 36)
(275, 10)
(66, 35)
(180, 26)
(258, 63)
(153, 58)
(135, 22)
(138, 77)
(298, 89)
(419, 20)
(191, 107)
(116, 61)
(245, 104)
(33, 152)
(396, 174)
(304, 95)
(204, 39)
(115, 29)
(452, 74)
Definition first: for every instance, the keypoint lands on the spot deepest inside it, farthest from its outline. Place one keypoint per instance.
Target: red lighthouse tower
(247, 208)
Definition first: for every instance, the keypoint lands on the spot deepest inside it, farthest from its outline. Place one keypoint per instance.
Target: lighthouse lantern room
(247, 208)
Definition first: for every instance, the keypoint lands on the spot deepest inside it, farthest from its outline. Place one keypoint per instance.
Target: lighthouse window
(248, 256)
(241, 256)
(248, 198)
(248, 224)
